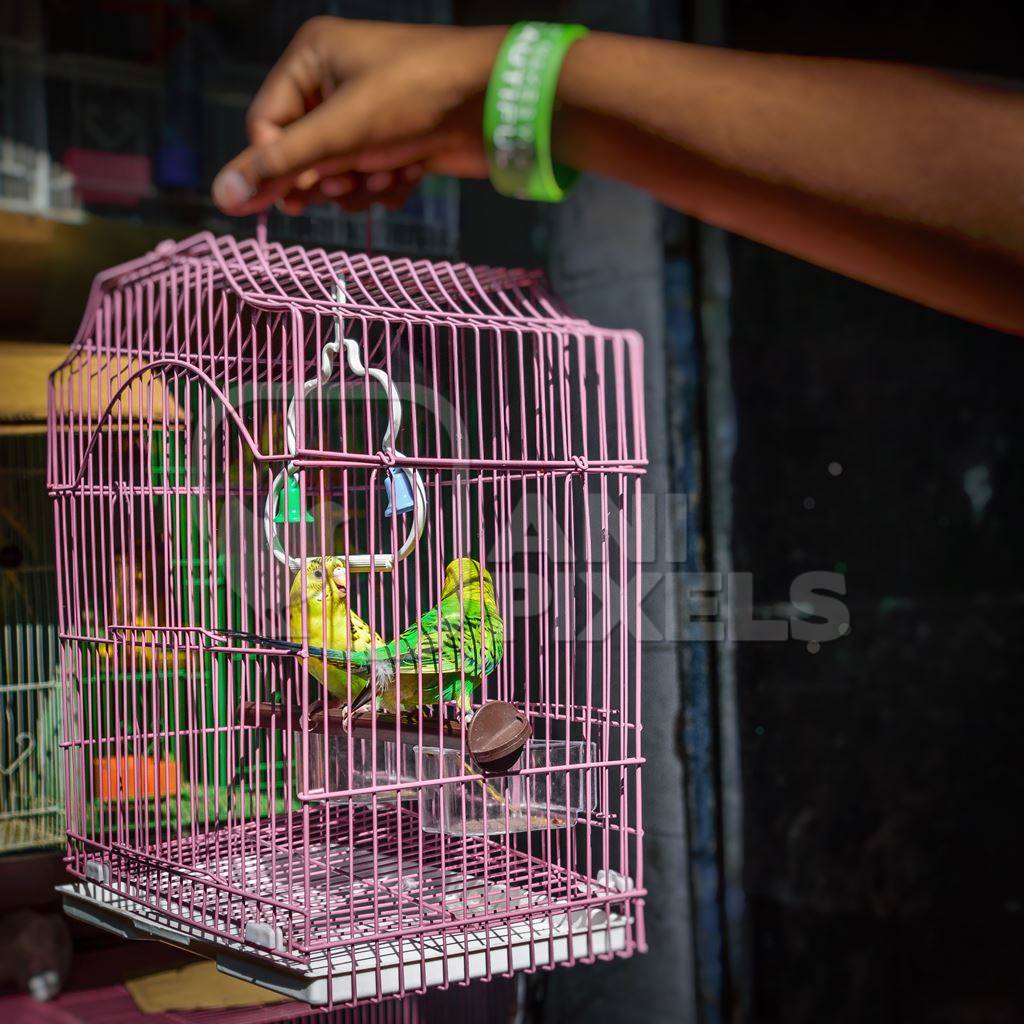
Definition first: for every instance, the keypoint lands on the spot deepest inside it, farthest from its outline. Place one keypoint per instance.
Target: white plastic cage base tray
(391, 908)
(380, 969)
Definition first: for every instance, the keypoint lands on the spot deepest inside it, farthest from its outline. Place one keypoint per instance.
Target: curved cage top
(497, 374)
(276, 277)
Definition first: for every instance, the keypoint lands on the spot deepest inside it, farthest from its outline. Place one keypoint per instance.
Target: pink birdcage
(268, 465)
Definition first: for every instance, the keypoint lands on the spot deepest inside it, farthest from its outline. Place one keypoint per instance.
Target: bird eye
(317, 574)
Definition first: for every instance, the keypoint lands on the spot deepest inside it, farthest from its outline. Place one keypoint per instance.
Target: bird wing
(448, 640)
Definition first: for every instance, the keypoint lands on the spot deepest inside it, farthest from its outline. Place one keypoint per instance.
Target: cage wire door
(318, 515)
(31, 780)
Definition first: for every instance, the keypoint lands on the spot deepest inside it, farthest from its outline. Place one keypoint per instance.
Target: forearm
(907, 179)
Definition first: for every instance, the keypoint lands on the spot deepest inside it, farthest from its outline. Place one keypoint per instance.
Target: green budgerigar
(463, 638)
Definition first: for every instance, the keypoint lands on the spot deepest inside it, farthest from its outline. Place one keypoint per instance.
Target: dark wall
(883, 776)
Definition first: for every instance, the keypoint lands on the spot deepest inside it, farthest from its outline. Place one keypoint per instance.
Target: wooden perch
(264, 715)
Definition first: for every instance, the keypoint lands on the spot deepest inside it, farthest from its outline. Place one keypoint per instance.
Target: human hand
(356, 112)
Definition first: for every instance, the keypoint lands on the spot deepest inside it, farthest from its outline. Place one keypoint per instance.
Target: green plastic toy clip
(289, 503)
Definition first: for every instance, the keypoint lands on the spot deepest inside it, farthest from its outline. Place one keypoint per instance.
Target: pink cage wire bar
(231, 410)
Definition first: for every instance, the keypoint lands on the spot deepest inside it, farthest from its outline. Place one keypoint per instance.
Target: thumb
(265, 172)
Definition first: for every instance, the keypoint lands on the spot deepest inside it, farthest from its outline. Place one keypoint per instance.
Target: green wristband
(518, 109)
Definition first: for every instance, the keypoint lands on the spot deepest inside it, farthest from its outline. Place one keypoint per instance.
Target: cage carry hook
(406, 491)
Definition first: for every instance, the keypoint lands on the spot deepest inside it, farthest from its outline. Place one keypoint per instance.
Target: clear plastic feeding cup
(551, 798)
(377, 762)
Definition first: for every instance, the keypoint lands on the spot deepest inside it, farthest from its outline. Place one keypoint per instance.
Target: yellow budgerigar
(328, 610)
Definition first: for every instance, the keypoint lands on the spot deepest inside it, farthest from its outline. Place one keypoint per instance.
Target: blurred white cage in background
(232, 411)
(31, 772)
(81, 132)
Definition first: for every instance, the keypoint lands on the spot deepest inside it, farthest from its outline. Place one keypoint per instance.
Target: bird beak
(338, 576)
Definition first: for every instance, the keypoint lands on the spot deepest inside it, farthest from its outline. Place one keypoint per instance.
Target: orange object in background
(134, 778)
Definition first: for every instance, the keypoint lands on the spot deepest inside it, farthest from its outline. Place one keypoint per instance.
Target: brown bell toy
(498, 732)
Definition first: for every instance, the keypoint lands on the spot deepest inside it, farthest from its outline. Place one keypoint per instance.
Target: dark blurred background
(833, 829)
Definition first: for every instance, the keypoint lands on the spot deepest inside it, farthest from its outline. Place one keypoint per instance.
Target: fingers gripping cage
(221, 794)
